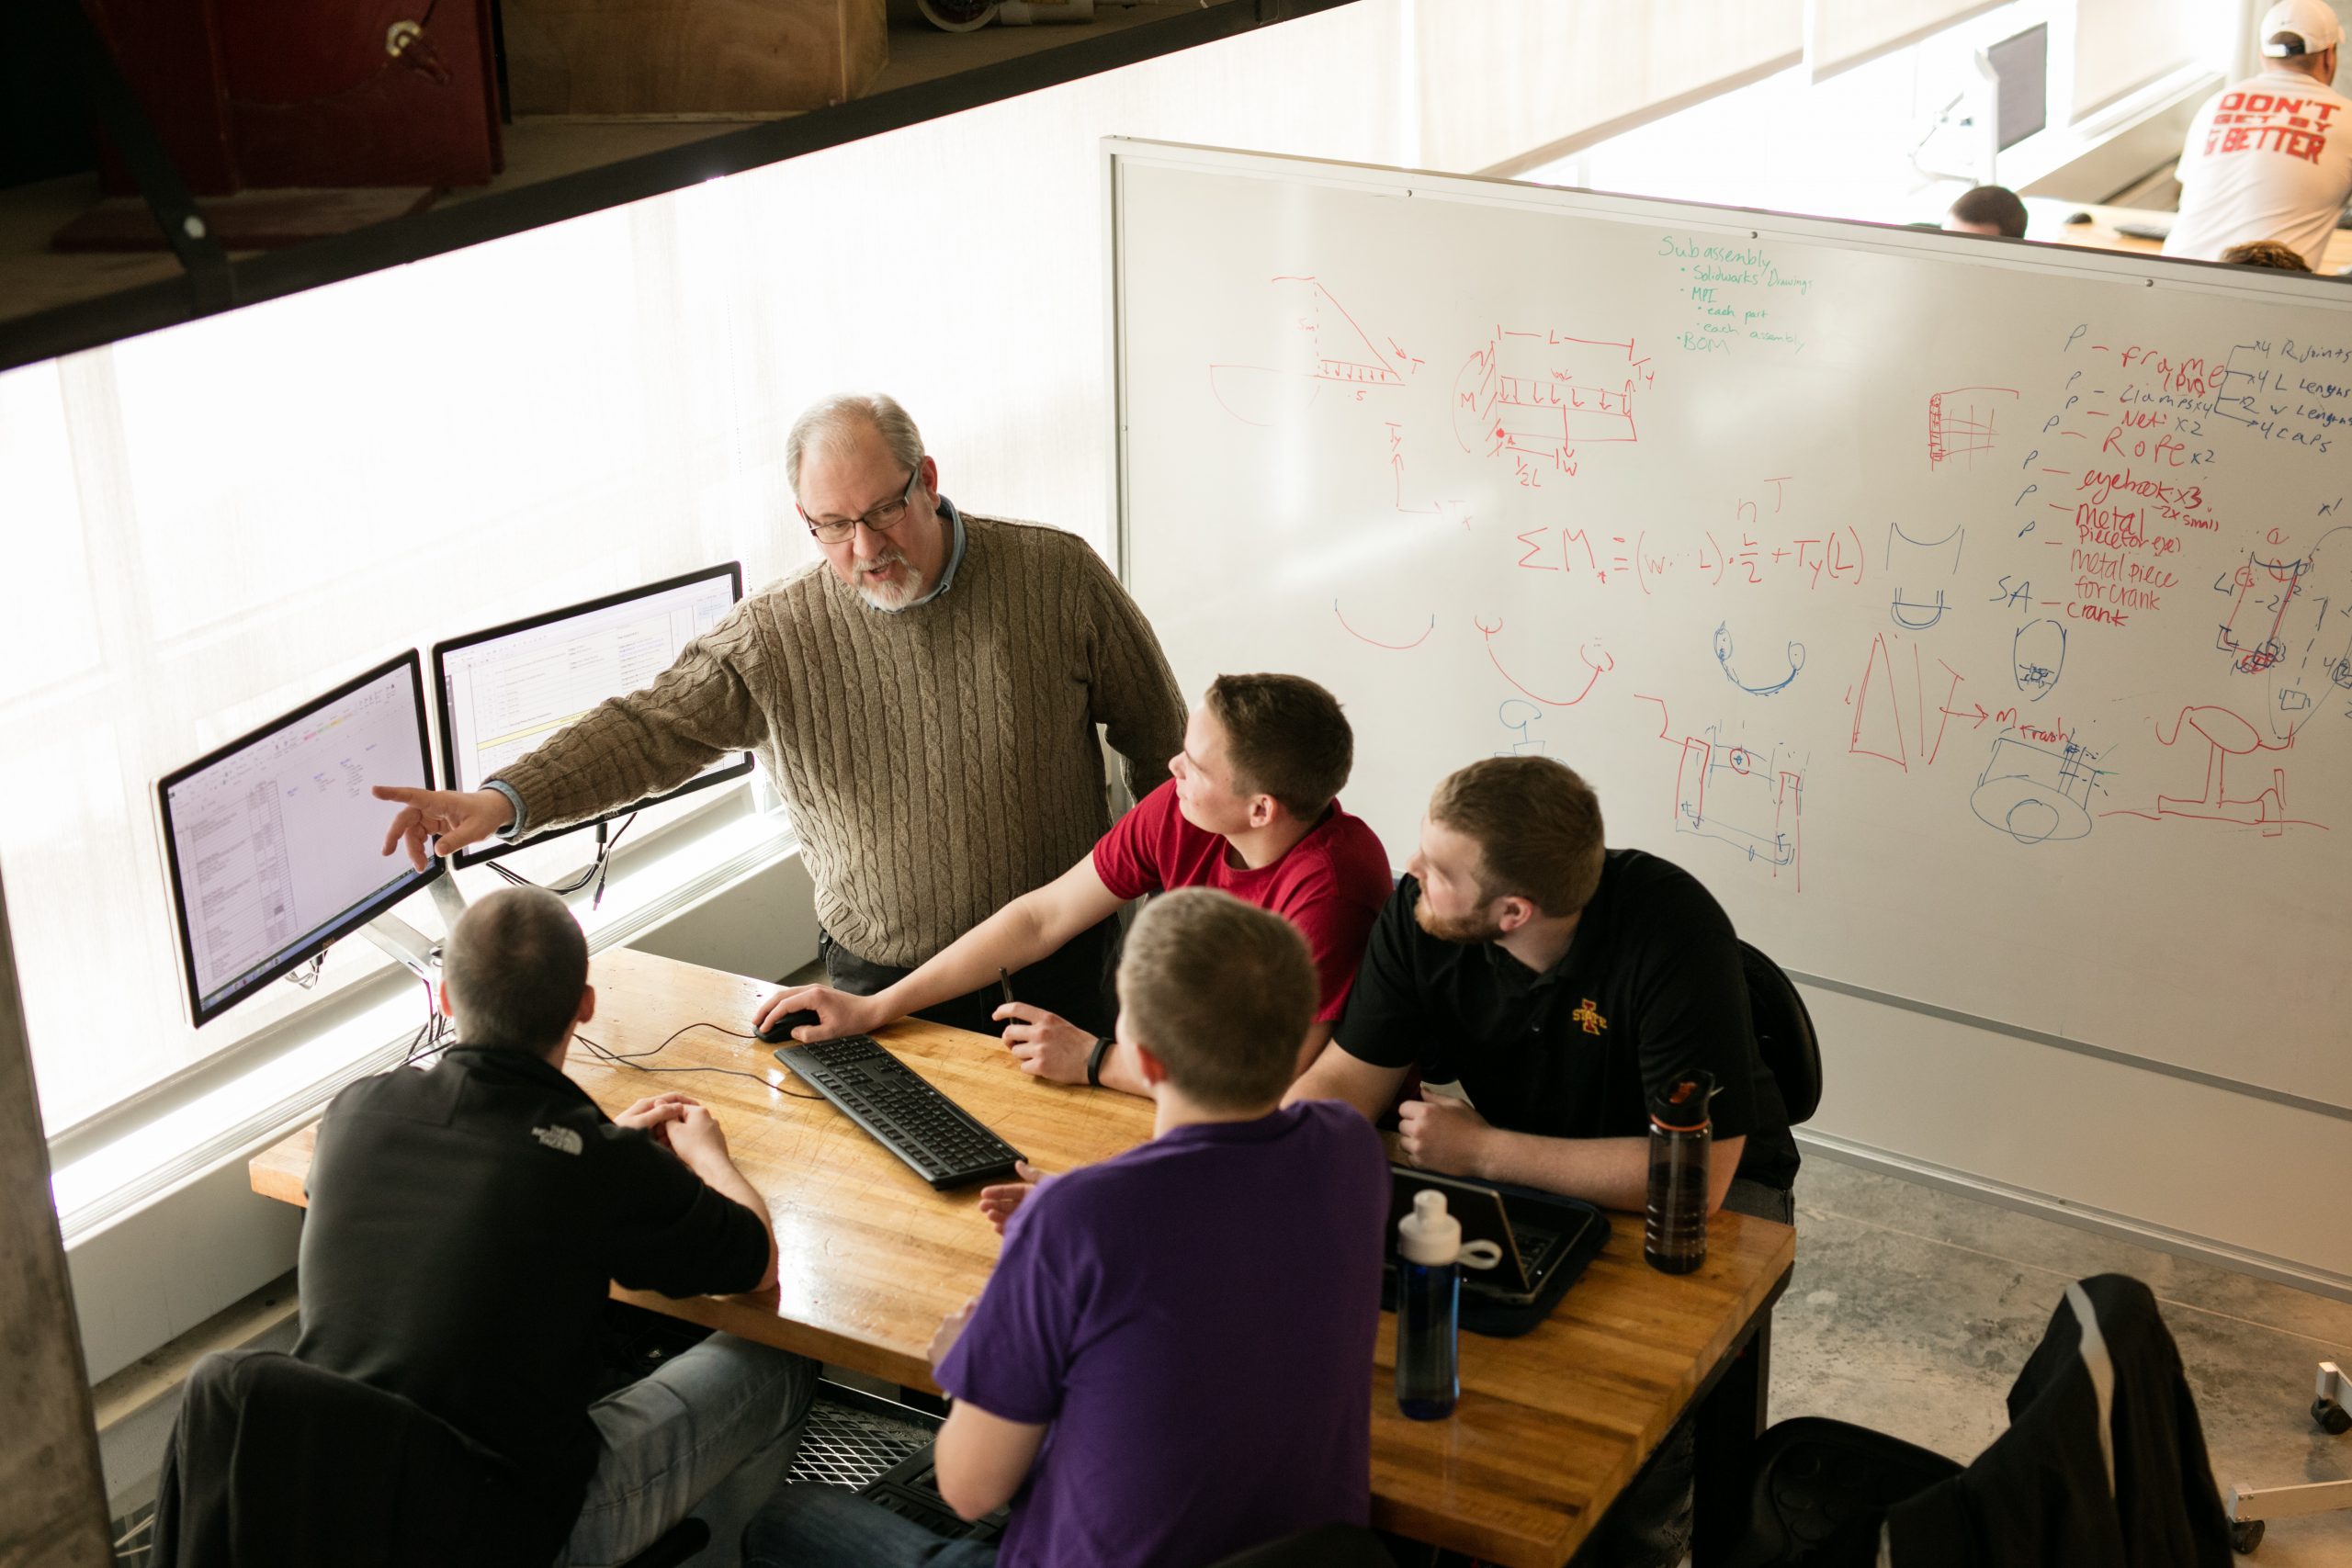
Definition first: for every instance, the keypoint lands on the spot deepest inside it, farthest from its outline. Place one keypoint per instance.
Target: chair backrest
(2103, 1460)
(276, 1462)
(1785, 1034)
(1324, 1546)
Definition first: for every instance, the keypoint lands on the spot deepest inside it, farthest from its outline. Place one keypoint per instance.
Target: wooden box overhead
(691, 57)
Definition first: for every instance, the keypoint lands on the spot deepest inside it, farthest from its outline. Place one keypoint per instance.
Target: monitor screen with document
(274, 843)
(503, 691)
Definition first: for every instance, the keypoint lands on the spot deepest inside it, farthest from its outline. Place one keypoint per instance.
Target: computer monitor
(274, 843)
(2020, 66)
(502, 691)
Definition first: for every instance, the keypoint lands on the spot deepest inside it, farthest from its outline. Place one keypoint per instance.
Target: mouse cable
(629, 1059)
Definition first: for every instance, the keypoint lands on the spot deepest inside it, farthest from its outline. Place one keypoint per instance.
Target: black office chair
(276, 1463)
(1824, 1491)
(1324, 1546)
(1785, 1034)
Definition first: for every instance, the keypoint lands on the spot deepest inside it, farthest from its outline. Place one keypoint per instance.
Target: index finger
(1020, 1012)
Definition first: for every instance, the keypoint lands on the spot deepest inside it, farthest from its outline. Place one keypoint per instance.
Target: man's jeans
(709, 1433)
(1649, 1527)
(810, 1525)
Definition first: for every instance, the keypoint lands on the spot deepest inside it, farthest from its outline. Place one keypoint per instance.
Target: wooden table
(2047, 223)
(1551, 1426)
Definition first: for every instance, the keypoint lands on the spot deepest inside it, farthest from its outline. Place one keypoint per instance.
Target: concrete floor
(1913, 1310)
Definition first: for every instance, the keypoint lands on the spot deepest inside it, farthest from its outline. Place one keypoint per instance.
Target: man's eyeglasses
(881, 520)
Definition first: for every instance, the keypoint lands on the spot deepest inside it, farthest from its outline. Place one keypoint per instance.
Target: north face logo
(562, 1140)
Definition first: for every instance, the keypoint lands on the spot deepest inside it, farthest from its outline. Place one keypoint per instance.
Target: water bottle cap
(1682, 1107)
(1428, 1235)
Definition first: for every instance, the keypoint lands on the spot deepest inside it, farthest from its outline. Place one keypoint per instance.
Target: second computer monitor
(503, 691)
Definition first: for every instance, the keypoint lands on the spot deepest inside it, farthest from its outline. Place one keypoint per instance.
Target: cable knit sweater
(938, 762)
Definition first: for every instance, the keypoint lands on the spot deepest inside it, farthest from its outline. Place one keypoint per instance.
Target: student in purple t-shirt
(1172, 1360)
(1252, 809)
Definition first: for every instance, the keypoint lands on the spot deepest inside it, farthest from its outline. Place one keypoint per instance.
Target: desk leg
(1729, 1420)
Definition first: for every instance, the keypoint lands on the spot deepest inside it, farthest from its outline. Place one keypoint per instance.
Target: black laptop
(1545, 1241)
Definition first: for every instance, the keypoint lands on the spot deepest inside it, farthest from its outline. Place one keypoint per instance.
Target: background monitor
(273, 842)
(503, 691)
(2021, 93)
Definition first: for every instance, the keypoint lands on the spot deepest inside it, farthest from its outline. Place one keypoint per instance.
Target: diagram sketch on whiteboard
(2225, 734)
(1537, 397)
(1322, 346)
(2038, 792)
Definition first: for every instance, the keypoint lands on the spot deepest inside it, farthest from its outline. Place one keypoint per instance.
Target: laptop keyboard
(941, 1142)
(1534, 1244)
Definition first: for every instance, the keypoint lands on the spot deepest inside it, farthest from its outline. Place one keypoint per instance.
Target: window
(214, 523)
(220, 521)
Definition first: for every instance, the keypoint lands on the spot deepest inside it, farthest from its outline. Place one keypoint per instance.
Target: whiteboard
(1974, 620)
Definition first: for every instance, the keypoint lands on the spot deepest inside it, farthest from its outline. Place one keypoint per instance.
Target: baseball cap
(2308, 20)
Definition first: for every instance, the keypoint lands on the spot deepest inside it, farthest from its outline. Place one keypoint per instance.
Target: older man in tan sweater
(925, 700)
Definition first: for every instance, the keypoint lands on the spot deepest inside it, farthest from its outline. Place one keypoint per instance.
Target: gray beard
(911, 586)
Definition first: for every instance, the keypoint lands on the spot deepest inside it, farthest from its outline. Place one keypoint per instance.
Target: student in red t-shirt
(1251, 810)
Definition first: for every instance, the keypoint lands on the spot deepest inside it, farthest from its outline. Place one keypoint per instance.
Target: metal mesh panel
(842, 1447)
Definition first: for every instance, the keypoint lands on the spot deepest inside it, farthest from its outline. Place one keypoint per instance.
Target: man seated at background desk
(1993, 210)
(464, 1226)
(925, 702)
(1168, 1364)
(1564, 985)
(1252, 809)
(2270, 157)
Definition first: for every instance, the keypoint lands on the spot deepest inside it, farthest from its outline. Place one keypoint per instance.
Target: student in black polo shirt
(1560, 985)
(1546, 986)
(463, 1223)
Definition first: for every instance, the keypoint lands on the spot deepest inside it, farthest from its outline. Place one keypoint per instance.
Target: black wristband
(1102, 1044)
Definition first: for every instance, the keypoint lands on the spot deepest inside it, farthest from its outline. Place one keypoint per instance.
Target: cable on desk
(630, 1058)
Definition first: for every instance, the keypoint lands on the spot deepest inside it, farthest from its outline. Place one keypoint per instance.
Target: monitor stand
(418, 952)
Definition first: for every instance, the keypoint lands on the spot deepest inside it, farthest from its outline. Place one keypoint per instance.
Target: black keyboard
(910, 1490)
(944, 1143)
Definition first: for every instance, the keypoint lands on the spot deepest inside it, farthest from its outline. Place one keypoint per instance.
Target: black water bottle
(1674, 1234)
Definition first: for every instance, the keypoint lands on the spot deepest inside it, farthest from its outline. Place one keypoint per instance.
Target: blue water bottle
(1429, 1260)
(1428, 1309)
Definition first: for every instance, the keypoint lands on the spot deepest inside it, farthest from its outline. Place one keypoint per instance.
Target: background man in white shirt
(2270, 157)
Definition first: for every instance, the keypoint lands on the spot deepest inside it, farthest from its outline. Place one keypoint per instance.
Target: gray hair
(832, 422)
(516, 966)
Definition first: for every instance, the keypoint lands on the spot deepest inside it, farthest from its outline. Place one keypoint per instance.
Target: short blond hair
(1537, 826)
(1222, 992)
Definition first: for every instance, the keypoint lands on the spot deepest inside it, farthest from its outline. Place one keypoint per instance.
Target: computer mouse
(779, 1030)
(2079, 218)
